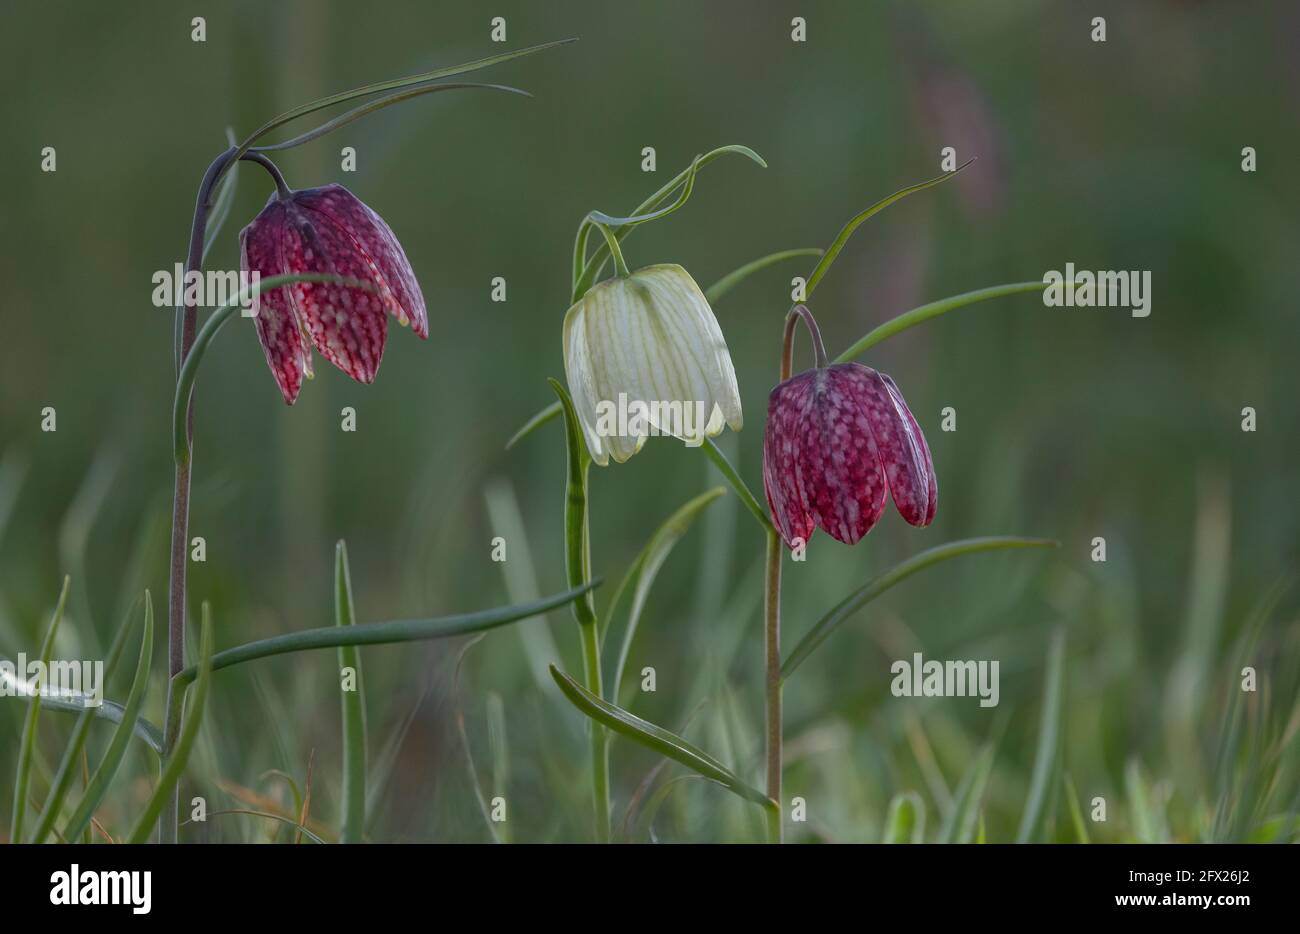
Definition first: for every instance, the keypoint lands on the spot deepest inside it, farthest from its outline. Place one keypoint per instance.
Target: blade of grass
(657, 738)
(386, 633)
(353, 708)
(641, 576)
(729, 474)
(180, 756)
(874, 588)
(959, 825)
(541, 418)
(72, 752)
(905, 822)
(27, 743)
(732, 279)
(1047, 759)
(910, 319)
(112, 712)
(1076, 812)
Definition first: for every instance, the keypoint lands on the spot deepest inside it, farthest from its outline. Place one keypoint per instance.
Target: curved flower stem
(620, 264)
(787, 346)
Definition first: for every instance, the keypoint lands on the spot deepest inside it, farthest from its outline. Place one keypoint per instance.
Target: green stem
(620, 264)
(599, 736)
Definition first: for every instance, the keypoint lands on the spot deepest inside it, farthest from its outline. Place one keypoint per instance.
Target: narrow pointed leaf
(392, 631)
(354, 708)
(1076, 811)
(923, 313)
(112, 712)
(174, 765)
(1047, 758)
(729, 474)
(27, 742)
(842, 238)
(864, 595)
(657, 738)
(959, 825)
(641, 576)
(737, 276)
(128, 724)
(905, 822)
(72, 751)
(537, 421)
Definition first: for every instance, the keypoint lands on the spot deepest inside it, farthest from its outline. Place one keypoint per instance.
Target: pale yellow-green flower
(649, 343)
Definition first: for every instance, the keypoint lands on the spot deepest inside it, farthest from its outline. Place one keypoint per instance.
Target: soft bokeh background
(1072, 423)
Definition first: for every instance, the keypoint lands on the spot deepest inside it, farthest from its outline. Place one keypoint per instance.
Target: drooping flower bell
(328, 230)
(644, 355)
(839, 439)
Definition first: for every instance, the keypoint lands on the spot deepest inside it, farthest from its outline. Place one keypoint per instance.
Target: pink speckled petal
(787, 411)
(845, 482)
(286, 351)
(903, 451)
(372, 238)
(347, 325)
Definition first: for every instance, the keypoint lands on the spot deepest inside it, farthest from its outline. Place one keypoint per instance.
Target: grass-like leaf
(175, 764)
(641, 575)
(591, 268)
(27, 743)
(923, 313)
(382, 87)
(392, 631)
(737, 276)
(905, 822)
(824, 265)
(1047, 758)
(128, 722)
(1076, 811)
(960, 823)
(354, 708)
(733, 478)
(864, 595)
(537, 421)
(657, 738)
(72, 751)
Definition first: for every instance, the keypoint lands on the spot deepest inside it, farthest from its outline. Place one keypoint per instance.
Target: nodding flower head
(648, 340)
(838, 438)
(328, 230)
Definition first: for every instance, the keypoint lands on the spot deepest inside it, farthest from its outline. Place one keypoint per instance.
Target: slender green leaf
(1076, 811)
(905, 822)
(641, 576)
(72, 751)
(593, 266)
(538, 420)
(27, 743)
(353, 707)
(392, 631)
(600, 217)
(225, 199)
(874, 588)
(959, 824)
(384, 86)
(842, 238)
(910, 319)
(371, 106)
(175, 764)
(128, 723)
(729, 474)
(1047, 759)
(110, 711)
(657, 738)
(732, 279)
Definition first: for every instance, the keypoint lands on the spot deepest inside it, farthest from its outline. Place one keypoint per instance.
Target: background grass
(1072, 423)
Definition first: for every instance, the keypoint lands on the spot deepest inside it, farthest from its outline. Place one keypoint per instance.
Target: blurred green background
(1072, 423)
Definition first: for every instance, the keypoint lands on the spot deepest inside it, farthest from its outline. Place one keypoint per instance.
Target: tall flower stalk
(302, 299)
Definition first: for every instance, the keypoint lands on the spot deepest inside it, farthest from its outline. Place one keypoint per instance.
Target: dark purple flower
(837, 438)
(328, 230)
